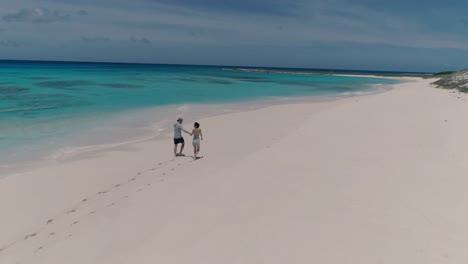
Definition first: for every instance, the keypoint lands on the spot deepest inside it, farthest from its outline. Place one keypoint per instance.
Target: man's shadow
(185, 156)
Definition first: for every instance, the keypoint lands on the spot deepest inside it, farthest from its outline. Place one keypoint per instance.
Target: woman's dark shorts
(179, 140)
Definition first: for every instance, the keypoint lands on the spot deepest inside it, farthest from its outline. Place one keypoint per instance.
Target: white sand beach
(372, 179)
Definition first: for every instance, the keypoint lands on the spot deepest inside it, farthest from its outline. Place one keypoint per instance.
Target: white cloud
(36, 15)
(159, 30)
(95, 39)
(142, 40)
(325, 21)
(9, 43)
(82, 12)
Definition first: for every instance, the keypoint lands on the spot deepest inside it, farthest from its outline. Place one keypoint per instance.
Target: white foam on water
(183, 108)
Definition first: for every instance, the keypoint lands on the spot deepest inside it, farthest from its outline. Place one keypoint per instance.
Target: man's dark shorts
(179, 141)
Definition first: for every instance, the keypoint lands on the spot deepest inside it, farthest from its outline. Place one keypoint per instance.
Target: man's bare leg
(175, 150)
(181, 149)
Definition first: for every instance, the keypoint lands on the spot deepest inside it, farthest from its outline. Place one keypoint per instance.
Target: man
(178, 139)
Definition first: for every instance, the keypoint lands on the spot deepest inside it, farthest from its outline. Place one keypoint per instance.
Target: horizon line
(210, 65)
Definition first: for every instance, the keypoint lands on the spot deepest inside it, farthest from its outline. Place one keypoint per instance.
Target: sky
(395, 35)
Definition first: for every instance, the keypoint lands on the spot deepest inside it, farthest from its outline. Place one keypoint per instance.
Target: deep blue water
(45, 101)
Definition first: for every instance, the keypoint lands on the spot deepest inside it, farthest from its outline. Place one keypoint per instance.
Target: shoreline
(146, 118)
(348, 73)
(402, 78)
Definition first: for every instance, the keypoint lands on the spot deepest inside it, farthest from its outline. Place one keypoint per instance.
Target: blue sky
(362, 34)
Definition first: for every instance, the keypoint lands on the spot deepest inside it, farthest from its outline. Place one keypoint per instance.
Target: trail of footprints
(57, 227)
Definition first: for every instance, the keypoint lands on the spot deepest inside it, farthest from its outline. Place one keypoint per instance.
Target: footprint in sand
(49, 221)
(112, 204)
(103, 192)
(149, 184)
(71, 211)
(117, 185)
(132, 179)
(164, 173)
(153, 169)
(5, 247)
(51, 234)
(84, 200)
(74, 223)
(39, 248)
(29, 236)
(93, 212)
(139, 173)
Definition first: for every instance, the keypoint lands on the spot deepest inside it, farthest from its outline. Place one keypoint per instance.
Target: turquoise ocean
(49, 109)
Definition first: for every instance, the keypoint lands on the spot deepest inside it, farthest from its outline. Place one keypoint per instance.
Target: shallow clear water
(43, 104)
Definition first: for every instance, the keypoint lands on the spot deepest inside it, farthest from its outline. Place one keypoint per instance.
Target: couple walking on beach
(178, 139)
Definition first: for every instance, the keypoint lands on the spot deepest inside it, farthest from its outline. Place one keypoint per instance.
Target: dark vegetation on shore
(444, 73)
(453, 80)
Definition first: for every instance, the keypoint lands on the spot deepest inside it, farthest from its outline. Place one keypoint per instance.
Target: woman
(197, 136)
